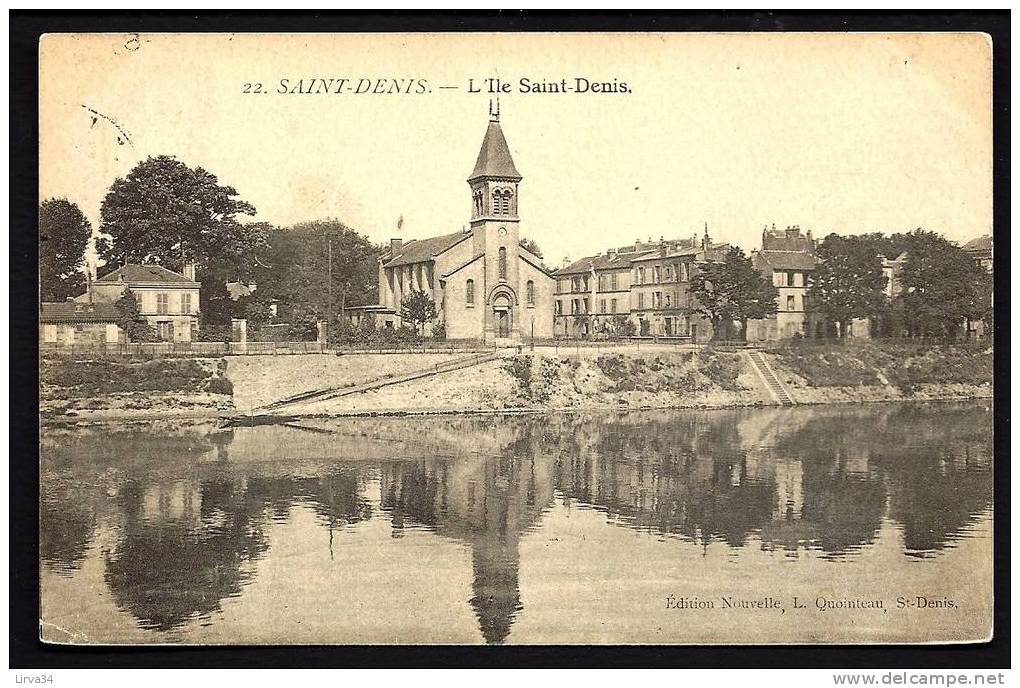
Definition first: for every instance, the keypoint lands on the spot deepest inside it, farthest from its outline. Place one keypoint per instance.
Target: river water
(840, 524)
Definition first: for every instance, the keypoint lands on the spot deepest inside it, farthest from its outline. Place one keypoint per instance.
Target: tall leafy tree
(941, 286)
(848, 283)
(64, 234)
(168, 213)
(732, 290)
(299, 261)
(419, 308)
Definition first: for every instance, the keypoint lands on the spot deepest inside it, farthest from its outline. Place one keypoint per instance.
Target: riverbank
(544, 380)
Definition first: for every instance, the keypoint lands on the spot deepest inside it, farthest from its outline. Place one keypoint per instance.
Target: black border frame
(26, 651)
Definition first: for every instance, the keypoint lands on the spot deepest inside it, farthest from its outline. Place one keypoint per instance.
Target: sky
(843, 133)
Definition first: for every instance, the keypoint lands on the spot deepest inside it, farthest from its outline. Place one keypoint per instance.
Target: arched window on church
(531, 292)
(502, 262)
(501, 201)
(470, 292)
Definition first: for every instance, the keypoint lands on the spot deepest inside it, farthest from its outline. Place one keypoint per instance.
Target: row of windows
(677, 272)
(580, 306)
(469, 292)
(579, 283)
(787, 278)
(659, 300)
(502, 202)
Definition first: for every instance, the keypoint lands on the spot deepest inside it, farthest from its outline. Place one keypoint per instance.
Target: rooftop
(494, 159)
(789, 239)
(421, 250)
(145, 273)
(625, 256)
(982, 243)
(785, 260)
(77, 312)
(601, 262)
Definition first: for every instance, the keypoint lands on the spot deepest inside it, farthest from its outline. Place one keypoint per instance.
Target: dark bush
(221, 385)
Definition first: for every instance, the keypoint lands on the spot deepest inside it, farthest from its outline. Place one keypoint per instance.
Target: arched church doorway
(502, 313)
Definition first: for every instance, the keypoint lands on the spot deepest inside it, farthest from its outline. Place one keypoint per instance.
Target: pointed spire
(494, 159)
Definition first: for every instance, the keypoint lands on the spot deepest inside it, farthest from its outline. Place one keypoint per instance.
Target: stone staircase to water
(778, 390)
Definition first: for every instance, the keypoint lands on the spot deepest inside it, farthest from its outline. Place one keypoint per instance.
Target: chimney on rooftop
(189, 271)
(395, 245)
(611, 253)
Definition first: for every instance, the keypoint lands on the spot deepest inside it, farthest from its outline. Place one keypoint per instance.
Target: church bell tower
(495, 179)
(494, 184)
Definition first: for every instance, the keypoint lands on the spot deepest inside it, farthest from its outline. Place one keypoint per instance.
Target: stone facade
(644, 284)
(79, 323)
(484, 283)
(168, 300)
(787, 258)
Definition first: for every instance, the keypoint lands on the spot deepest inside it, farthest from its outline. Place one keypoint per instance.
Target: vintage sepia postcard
(515, 338)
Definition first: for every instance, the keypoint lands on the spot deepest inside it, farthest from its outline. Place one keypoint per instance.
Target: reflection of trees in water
(816, 478)
(944, 481)
(686, 475)
(185, 546)
(65, 530)
(165, 570)
(931, 462)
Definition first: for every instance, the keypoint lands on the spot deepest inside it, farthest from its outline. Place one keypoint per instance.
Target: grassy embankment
(171, 386)
(883, 370)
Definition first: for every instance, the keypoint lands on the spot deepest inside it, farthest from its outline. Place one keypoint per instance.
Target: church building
(484, 283)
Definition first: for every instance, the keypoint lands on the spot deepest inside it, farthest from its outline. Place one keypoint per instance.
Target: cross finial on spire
(494, 111)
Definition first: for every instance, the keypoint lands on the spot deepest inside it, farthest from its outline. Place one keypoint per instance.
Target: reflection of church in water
(787, 480)
(487, 502)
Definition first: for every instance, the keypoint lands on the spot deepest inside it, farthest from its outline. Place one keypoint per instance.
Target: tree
(418, 308)
(623, 326)
(134, 326)
(294, 270)
(532, 246)
(64, 234)
(167, 213)
(983, 308)
(216, 308)
(732, 290)
(848, 283)
(941, 286)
